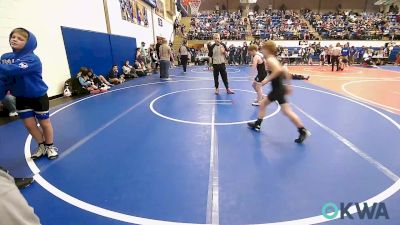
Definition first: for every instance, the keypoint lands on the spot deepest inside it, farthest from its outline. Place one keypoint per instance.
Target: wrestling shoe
(304, 134)
(253, 126)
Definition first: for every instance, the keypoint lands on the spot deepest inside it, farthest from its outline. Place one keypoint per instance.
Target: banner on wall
(143, 18)
(170, 6)
(160, 8)
(134, 12)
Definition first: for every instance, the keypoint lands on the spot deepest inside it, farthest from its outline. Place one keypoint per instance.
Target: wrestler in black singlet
(261, 72)
(278, 94)
(278, 89)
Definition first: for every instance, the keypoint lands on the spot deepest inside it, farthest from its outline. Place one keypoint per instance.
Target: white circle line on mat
(203, 123)
(146, 221)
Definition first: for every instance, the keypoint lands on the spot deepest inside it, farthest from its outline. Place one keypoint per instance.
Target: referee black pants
(184, 61)
(220, 69)
(335, 59)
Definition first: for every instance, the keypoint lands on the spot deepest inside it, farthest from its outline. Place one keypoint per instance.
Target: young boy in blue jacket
(22, 70)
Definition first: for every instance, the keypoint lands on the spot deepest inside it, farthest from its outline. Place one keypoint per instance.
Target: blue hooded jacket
(22, 71)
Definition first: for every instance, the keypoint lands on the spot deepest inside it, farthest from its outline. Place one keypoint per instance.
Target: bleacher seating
(355, 26)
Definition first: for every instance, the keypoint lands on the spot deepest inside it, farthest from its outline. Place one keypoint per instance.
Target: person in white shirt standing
(336, 52)
(217, 53)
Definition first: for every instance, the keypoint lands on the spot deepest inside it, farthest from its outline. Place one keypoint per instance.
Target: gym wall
(125, 28)
(46, 18)
(97, 50)
(34, 16)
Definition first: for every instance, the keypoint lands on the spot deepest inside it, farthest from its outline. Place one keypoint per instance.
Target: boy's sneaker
(13, 114)
(253, 126)
(303, 136)
(104, 87)
(255, 103)
(52, 152)
(40, 151)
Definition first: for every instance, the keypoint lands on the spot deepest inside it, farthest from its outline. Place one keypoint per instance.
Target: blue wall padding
(393, 54)
(122, 48)
(96, 50)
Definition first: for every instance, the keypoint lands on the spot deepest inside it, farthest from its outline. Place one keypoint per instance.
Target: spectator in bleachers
(278, 25)
(352, 25)
(229, 25)
(393, 8)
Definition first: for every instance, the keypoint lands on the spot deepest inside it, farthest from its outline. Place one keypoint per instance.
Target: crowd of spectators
(293, 25)
(278, 25)
(266, 24)
(231, 25)
(349, 25)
